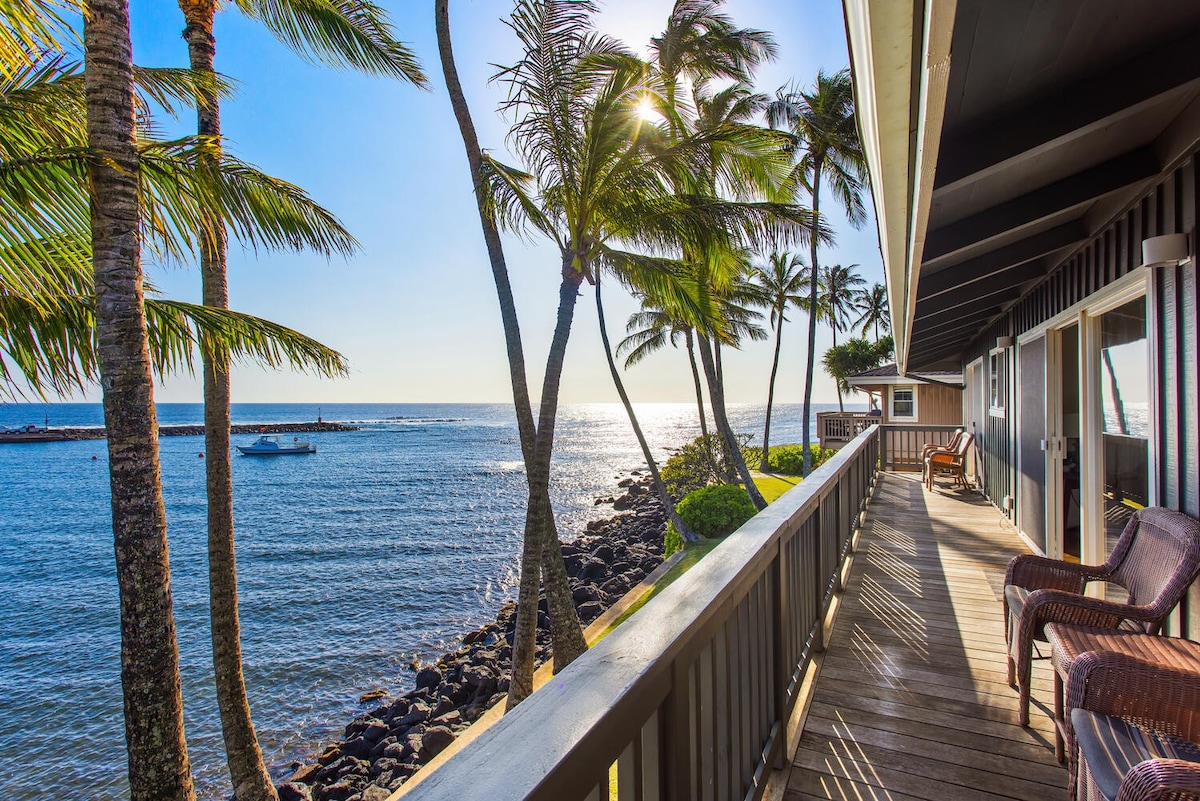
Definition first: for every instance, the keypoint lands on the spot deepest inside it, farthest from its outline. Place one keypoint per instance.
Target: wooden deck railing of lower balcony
(900, 445)
(690, 698)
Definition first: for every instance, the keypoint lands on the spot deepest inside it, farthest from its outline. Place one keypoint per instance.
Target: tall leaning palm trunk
(538, 514)
(716, 394)
(564, 622)
(814, 287)
(243, 755)
(660, 489)
(765, 465)
(690, 340)
(158, 760)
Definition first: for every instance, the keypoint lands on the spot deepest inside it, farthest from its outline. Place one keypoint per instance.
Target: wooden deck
(911, 702)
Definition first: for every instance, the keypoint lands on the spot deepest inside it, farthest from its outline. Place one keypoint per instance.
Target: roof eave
(900, 58)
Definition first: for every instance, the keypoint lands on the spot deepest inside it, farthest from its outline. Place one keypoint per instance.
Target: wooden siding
(939, 406)
(1168, 207)
(911, 701)
(936, 405)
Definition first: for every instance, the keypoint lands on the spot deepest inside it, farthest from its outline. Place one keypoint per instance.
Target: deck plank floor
(911, 702)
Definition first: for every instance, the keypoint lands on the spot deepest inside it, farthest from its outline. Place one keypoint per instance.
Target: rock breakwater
(71, 434)
(382, 748)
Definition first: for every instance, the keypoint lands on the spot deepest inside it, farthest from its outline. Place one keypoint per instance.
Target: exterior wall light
(1167, 249)
(1004, 342)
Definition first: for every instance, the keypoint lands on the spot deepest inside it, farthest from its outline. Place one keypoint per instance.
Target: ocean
(381, 548)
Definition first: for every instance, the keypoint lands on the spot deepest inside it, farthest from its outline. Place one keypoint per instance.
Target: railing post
(783, 671)
(677, 735)
(817, 583)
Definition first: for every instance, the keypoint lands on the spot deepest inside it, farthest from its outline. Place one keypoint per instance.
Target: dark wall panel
(1168, 207)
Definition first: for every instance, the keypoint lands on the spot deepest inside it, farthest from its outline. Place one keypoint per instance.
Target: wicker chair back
(1156, 558)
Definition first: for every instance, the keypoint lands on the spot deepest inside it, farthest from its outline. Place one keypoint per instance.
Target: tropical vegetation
(853, 357)
(670, 176)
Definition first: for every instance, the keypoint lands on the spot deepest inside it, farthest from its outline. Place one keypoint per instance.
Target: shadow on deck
(911, 702)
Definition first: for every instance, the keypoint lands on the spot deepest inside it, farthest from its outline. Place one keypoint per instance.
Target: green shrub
(697, 464)
(717, 510)
(672, 541)
(788, 460)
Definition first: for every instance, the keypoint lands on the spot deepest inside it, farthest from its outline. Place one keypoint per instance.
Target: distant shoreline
(97, 432)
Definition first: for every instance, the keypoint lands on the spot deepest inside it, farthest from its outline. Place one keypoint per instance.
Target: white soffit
(900, 119)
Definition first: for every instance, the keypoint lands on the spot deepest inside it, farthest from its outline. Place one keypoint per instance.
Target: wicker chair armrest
(1038, 572)
(1148, 694)
(1161, 780)
(1061, 606)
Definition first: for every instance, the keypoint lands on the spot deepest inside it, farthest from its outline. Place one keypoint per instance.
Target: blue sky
(415, 310)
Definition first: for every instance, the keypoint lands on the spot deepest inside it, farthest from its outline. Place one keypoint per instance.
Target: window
(904, 402)
(998, 378)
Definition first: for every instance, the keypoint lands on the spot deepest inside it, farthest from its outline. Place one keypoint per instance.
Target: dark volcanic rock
(428, 677)
(435, 741)
(385, 746)
(294, 791)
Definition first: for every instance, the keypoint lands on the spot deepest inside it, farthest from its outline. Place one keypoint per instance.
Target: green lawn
(773, 486)
(770, 486)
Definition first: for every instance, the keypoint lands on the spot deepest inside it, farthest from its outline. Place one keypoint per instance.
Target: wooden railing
(900, 445)
(836, 428)
(690, 698)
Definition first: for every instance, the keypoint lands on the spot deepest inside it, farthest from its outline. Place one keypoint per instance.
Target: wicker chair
(930, 449)
(1155, 559)
(952, 462)
(1139, 709)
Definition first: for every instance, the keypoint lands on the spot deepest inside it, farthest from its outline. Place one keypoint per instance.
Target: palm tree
(158, 760)
(826, 136)
(649, 331)
(700, 43)
(842, 287)
(781, 283)
(59, 333)
(354, 33)
(566, 632)
(598, 175)
(873, 303)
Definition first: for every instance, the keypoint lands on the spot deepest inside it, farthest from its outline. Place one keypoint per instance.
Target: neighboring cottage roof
(889, 374)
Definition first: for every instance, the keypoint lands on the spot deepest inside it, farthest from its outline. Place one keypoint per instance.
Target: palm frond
(508, 197)
(49, 346)
(185, 181)
(32, 28)
(340, 33)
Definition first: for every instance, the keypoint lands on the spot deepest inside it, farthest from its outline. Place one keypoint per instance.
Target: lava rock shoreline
(382, 748)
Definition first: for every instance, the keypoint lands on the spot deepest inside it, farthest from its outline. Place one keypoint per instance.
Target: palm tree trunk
(660, 489)
(717, 395)
(157, 752)
(538, 512)
(837, 384)
(243, 755)
(812, 318)
(765, 465)
(691, 350)
(564, 622)
(1115, 390)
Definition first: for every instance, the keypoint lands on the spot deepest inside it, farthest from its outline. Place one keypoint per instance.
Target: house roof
(890, 374)
(1001, 137)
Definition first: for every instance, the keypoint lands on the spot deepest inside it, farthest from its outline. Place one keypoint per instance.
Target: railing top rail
(561, 733)
(912, 427)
